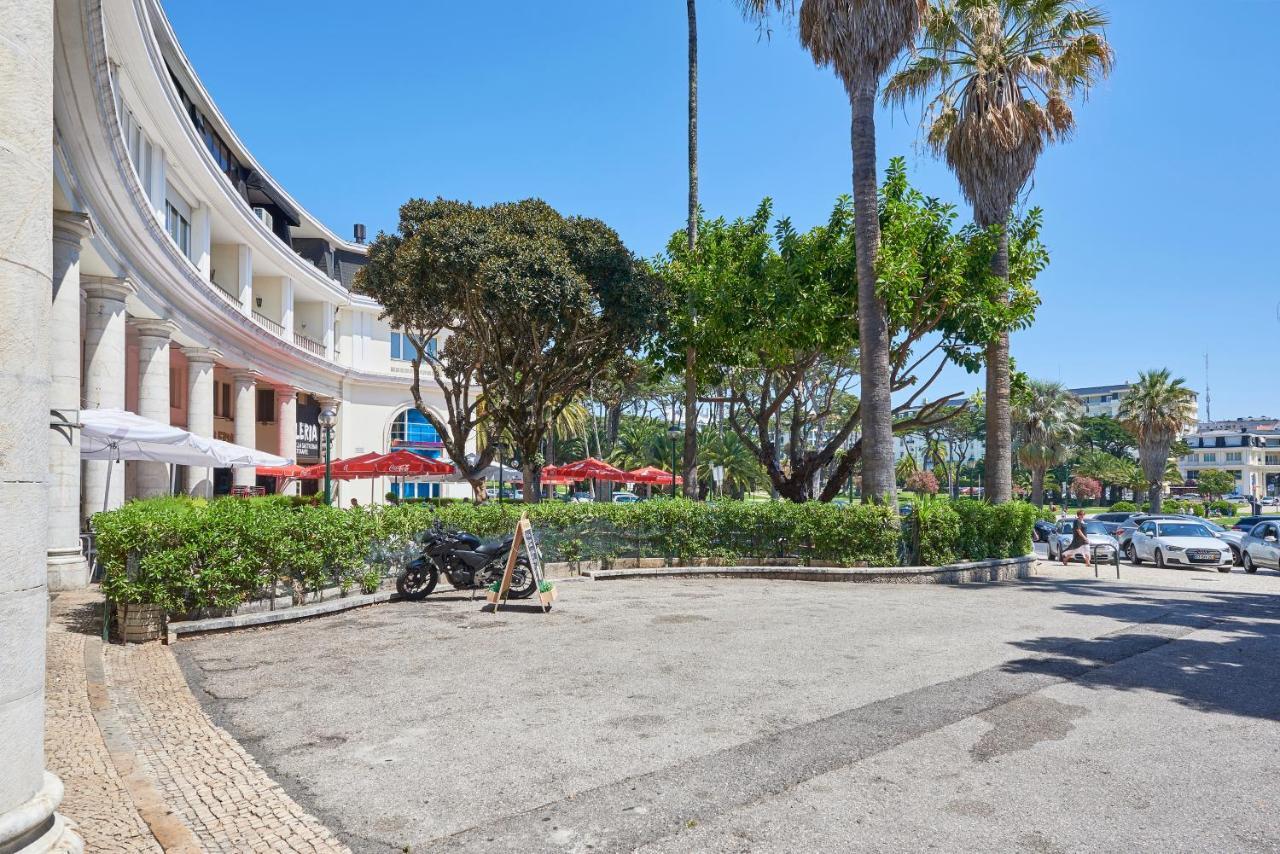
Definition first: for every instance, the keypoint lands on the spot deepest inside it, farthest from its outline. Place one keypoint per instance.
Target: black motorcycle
(468, 563)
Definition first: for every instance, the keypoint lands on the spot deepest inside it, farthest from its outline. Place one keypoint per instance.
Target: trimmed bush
(1124, 507)
(185, 554)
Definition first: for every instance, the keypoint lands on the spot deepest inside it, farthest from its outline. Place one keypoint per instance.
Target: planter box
(549, 596)
(140, 623)
(491, 596)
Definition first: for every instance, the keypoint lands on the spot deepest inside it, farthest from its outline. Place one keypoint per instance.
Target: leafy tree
(742, 471)
(1048, 421)
(923, 483)
(998, 76)
(1103, 467)
(1086, 488)
(1157, 409)
(777, 325)
(641, 442)
(540, 303)
(1106, 434)
(1215, 483)
(859, 41)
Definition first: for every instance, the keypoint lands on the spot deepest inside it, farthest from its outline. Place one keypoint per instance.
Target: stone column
(200, 412)
(68, 570)
(287, 427)
(104, 366)
(153, 395)
(246, 402)
(28, 794)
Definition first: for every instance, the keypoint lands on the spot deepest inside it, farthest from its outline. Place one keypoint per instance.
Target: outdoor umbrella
(652, 475)
(588, 469)
(408, 464)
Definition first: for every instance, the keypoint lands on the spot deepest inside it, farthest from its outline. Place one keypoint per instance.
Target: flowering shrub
(923, 483)
(1085, 487)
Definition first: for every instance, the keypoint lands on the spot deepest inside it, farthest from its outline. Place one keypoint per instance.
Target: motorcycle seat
(471, 541)
(494, 548)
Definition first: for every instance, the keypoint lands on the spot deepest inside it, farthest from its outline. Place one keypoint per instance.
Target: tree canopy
(539, 304)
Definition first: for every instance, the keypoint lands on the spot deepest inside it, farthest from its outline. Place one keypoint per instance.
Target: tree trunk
(532, 483)
(999, 457)
(1037, 487)
(1155, 494)
(691, 353)
(878, 482)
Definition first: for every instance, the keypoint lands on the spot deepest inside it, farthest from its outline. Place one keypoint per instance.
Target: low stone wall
(1003, 569)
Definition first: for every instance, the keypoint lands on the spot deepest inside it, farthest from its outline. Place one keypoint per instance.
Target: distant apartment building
(1101, 399)
(1248, 448)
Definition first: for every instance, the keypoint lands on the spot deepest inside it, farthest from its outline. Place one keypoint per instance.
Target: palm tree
(1157, 409)
(691, 352)
(1048, 421)
(999, 75)
(641, 442)
(860, 39)
(742, 471)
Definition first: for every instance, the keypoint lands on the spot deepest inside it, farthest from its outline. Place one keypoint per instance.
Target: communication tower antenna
(1207, 399)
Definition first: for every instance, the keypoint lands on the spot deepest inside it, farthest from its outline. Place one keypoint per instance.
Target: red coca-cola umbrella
(653, 475)
(588, 469)
(408, 464)
(292, 470)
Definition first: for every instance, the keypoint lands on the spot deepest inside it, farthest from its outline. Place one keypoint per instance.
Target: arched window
(412, 431)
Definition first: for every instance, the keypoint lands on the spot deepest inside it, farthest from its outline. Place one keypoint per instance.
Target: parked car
(1245, 523)
(1102, 546)
(582, 498)
(1271, 501)
(1178, 542)
(1261, 547)
(1125, 532)
(1231, 538)
(1042, 530)
(625, 498)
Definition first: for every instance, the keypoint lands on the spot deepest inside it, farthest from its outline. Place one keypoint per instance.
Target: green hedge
(185, 554)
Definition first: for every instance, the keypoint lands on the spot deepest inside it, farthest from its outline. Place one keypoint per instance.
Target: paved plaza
(1061, 714)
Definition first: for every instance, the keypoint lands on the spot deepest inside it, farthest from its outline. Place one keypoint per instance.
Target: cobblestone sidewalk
(144, 767)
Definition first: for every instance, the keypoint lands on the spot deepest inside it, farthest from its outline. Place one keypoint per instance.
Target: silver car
(1261, 547)
(1102, 546)
(1176, 542)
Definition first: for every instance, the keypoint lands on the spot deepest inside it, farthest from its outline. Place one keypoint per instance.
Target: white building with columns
(192, 289)
(148, 262)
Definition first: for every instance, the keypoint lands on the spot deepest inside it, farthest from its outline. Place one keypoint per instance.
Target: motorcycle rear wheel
(417, 580)
(523, 584)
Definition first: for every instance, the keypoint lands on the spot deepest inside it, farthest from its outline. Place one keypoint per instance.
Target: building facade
(192, 289)
(1247, 448)
(1101, 399)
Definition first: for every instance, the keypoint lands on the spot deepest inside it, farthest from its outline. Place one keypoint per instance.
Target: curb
(262, 618)
(997, 569)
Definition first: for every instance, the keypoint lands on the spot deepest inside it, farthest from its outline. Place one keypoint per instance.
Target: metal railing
(311, 345)
(267, 323)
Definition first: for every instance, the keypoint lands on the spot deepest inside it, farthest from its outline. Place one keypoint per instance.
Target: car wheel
(1159, 559)
(1131, 552)
(1249, 565)
(1235, 556)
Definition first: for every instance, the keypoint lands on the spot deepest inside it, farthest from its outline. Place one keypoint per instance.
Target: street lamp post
(500, 447)
(326, 423)
(675, 431)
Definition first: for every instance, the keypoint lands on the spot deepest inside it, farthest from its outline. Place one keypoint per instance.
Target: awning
(117, 434)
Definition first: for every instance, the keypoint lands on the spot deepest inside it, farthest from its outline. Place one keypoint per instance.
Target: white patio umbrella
(117, 434)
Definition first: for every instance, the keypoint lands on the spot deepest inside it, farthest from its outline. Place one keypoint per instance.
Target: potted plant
(546, 592)
(370, 581)
(491, 592)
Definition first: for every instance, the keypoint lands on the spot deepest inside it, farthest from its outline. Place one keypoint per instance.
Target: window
(222, 400)
(415, 490)
(402, 348)
(1210, 458)
(1234, 456)
(266, 406)
(412, 427)
(1273, 459)
(179, 228)
(176, 387)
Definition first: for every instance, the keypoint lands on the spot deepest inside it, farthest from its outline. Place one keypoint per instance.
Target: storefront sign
(308, 443)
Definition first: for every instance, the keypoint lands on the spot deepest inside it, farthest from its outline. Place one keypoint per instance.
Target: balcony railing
(267, 323)
(311, 345)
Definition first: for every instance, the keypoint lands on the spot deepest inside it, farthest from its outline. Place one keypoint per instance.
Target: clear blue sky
(1161, 215)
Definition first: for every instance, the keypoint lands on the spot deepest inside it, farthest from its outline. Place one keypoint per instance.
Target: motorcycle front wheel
(417, 580)
(523, 584)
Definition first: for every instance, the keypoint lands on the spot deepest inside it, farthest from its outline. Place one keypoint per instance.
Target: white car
(625, 498)
(1102, 546)
(1175, 542)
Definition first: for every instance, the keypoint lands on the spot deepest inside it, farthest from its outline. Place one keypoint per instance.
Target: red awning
(588, 469)
(653, 475)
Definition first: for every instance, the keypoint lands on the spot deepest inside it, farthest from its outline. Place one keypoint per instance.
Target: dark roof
(346, 263)
(1098, 389)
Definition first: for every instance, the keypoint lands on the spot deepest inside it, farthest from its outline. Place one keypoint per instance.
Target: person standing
(1079, 542)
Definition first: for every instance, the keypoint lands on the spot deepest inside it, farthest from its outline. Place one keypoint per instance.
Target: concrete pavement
(1055, 715)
